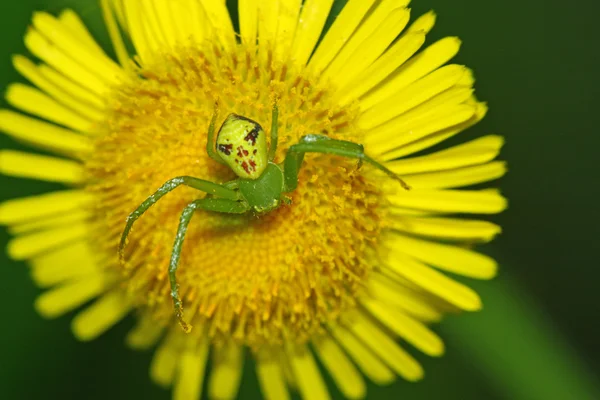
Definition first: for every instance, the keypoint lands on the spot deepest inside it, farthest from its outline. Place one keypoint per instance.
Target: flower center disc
(260, 279)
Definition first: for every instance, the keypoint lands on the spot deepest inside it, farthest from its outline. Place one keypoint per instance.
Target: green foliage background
(537, 65)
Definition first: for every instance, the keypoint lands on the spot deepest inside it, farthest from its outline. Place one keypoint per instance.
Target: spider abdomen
(242, 144)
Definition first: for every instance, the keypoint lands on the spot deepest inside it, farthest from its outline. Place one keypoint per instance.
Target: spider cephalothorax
(262, 185)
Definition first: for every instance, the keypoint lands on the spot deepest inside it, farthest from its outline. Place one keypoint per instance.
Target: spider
(241, 144)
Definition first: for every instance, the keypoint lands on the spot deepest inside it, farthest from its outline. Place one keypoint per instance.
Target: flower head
(351, 264)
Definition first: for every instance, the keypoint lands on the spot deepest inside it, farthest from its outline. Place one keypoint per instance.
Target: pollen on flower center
(259, 278)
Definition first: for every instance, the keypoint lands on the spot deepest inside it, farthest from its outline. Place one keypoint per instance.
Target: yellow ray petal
(100, 316)
(339, 33)
(450, 258)
(400, 127)
(190, 373)
(393, 58)
(248, 13)
(71, 21)
(411, 330)
(45, 205)
(51, 169)
(386, 348)
(44, 135)
(108, 13)
(217, 14)
(422, 64)
(23, 247)
(446, 228)
(65, 83)
(268, 13)
(368, 363)
(145, 334)
(142, 39)
(74, 217)
(307, 375)
(158, 21)
(312, 19)
(412, 95)
(99, 64)
(466, 201)
(39, 104)
(65, 263)
(65, 298)
(31, 72)
(403, 298)
(438, 119)
(164, 361)
(460, 177)
(423, 24)
(432, 281)
(475, 152)
(433, 139)
(271, 379)
(45, 50)
(370, 40)
(343, 372)
(289, 11)
(226, 373)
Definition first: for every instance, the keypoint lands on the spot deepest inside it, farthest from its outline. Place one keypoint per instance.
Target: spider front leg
(200, 184)
(325, 145)
(217, 205)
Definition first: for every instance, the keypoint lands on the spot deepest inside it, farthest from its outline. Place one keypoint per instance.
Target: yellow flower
(353, 264)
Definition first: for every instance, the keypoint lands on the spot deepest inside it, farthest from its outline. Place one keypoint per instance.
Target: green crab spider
(241, 144)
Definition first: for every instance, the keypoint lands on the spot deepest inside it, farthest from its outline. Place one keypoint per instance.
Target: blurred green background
(537, 65)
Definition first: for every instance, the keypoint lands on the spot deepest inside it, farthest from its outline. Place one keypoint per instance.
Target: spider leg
(200, 184)
(210, 141)
(325, 145)
(217, 205)
(274, 127)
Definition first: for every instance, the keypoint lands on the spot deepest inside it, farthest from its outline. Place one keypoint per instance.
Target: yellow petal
(31, 208)
(271, 379)
(23, 247)
(465, 201)
(312, 19)
(450, 258)
(393, 58)
(289, 11)
(248, 11)
(164, 361)
(100, 316)
(339, 33)
(422, 64)
(65, 263)
(307, 375)
(475, 152)
(414, 146)
(412, 95)
(402, 297)
(446, 228)
(73, 218)
(31, 72)
(421, 126)
(44, 135)
(218, 15)
(65, 298)
(45, 50)
(371, 39)
(386, 348)
(108, 13)
(226, 373)
(145, 334)
(343, 372)
(411, 330)
(51, 169)
(432, 281)
(460, 177)
(99, 64)
(368, 363)
(190, 373)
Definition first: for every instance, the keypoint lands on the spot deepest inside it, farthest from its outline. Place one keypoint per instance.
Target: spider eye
(242, 144)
